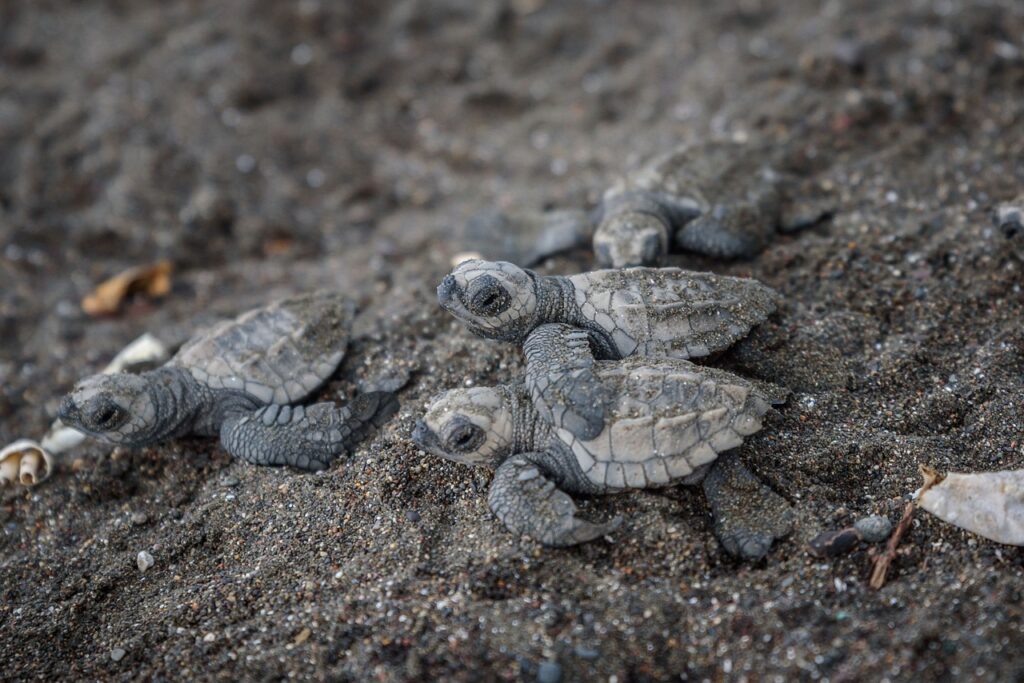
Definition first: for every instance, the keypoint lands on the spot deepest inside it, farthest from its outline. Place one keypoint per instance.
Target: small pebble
(412, 516)
(209, 638)
(144, 560)
(139, 518)
(874, 529)
(584, 652)
(229, 481)
(117, 654)
(549, 672)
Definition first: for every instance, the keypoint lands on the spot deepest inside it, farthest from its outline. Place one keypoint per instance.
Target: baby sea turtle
(241, 379)
(718, 198)
(662, 421)
(630, 312)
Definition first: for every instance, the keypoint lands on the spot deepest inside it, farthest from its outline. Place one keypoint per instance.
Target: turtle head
(630, 238)
(116, 408)
(471, 426)
(1009, 219)
(494, 299)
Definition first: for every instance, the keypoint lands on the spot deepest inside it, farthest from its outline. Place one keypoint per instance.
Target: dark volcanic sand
(344, 144)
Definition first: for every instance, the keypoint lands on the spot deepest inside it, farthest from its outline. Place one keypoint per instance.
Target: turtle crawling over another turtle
(610, 400)
(242, 380)
(584, 426)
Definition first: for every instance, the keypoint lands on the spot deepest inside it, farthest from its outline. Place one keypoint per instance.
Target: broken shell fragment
(990, 504)
(24, 462)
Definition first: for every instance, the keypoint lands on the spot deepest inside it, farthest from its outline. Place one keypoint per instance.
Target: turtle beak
(425, 438)
(68, 411)
(1011, 228)
(447, 290)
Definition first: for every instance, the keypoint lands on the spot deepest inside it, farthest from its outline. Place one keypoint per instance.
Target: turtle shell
(278, 354)
(670, 312)
(666, 418)
(706, 173)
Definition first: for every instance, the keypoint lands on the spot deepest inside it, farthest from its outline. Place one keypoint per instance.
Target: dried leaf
(990, 504)
(153, 281)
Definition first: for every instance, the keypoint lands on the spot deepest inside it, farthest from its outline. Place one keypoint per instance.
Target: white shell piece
(145, 349)
(990, 504)
(24, 462)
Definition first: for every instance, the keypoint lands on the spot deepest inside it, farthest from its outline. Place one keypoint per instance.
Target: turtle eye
(487, 297)
(108, 415)
(465, 437)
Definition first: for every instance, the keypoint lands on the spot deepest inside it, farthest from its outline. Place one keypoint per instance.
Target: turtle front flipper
(561, 380)
(748, 516)
(306, 437)
(530, 503)
(733, 231)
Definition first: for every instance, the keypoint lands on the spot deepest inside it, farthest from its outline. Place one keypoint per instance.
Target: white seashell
(990, 504)
(145, 349)
(24, 462)
(28, 463)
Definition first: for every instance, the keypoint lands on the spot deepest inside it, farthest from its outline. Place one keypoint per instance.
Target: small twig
(883, 560)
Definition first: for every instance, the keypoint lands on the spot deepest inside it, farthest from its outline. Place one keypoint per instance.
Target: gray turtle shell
(666, 418)
(671, 312)
(705, 174)
(278, 354)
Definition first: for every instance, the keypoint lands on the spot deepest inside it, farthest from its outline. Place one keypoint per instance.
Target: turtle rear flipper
(308, 438)
(748, 516)
(529, 503)
(806, 204)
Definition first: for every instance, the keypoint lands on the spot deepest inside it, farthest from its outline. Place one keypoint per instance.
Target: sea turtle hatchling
(663, 421)
(629, 312)
(720, 199)
(241, 379)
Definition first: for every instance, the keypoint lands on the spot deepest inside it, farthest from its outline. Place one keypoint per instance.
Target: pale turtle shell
(278, 354)
(671, 312)
(667, 418)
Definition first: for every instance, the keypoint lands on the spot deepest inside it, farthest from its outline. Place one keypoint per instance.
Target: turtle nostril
(420, 433)
(67, 408)
(446, 290)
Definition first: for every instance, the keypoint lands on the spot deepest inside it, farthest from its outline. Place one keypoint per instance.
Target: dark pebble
(412, 516)
(835, 543)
